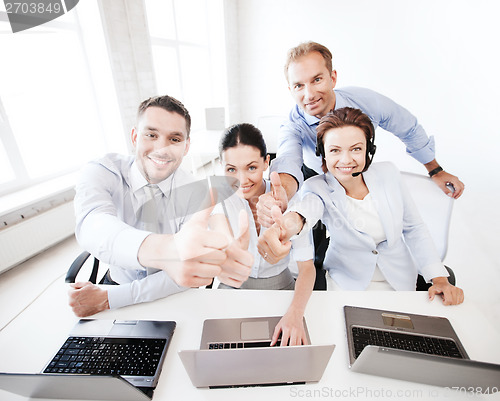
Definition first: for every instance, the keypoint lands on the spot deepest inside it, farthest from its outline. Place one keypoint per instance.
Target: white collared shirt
(109, 195)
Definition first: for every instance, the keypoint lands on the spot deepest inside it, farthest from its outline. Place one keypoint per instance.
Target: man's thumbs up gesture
(192, 257)
(238, 264)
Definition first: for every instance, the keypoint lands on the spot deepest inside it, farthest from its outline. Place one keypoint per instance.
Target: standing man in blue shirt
(311, 81)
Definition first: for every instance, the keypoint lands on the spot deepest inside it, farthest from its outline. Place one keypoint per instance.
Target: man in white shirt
(150, 262)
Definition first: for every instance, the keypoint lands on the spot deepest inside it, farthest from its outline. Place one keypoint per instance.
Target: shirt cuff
(148, 289)
(303, 253)
(306, 228)
(281, 165)
(426, 154)
(119, 295)
(434, 270)
(129, 242)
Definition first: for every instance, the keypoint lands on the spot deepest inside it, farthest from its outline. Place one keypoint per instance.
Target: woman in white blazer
(377, 238)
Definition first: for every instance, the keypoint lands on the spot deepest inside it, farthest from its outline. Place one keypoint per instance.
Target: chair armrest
(77, 265)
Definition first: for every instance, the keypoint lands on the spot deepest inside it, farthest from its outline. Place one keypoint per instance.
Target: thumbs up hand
(200, 251)
(274, 243)
(238, 264)
(276, 197)
(192, 257)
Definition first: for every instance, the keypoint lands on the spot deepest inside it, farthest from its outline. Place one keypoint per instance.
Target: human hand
(87, 299)
(451, 295)
(276, 197)
(442, 178)
(273, 244)
(238, 264)
(200, 252)
(291, 328)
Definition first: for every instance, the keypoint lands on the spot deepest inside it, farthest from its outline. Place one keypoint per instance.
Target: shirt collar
(137, 180)
(310, 120)
(333, 183)
(340, 101)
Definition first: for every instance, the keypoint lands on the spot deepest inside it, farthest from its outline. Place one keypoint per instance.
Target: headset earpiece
(370, 151)
(319, 149)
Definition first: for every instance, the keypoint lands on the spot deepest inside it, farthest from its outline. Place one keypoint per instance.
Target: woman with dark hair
(244, 156)
(377, 239)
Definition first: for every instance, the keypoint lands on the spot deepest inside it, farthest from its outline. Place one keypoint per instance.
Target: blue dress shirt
(297, 136)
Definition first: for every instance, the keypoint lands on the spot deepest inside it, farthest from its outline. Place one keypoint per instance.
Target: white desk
(39, 331)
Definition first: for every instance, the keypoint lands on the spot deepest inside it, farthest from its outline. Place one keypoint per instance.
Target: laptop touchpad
(258, 330)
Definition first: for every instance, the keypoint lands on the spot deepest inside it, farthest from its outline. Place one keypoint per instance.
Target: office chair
(435, 208)
(78, 263)
(76, 266)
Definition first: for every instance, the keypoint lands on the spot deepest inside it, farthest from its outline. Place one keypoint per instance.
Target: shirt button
(375, 252)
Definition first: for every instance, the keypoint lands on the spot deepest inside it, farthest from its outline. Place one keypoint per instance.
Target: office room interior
(69, 90)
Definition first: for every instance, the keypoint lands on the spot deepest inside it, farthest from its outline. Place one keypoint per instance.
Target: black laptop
(100, 360)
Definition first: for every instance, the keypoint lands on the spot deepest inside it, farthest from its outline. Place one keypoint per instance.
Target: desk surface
(40, 330)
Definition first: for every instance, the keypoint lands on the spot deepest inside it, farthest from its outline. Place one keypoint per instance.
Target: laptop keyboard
(403, 341)
(108, 356)
(254, 344)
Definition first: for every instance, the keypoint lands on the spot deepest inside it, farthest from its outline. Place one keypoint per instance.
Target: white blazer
(352, 255)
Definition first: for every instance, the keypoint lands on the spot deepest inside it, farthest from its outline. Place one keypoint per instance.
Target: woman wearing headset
(377, 238)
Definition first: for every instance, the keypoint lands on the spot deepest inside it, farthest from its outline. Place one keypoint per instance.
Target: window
(187, 39)
(49, 111)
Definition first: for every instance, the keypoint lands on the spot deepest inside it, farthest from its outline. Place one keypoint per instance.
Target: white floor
(471, 254)
(23, 284)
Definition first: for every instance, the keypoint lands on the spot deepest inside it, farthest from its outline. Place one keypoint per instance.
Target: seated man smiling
(129, 217)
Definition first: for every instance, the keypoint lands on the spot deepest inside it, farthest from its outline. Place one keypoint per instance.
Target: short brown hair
(304, 49)
(346, 116)
(167, 103)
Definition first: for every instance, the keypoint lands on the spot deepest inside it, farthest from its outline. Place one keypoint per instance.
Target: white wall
(439, 59)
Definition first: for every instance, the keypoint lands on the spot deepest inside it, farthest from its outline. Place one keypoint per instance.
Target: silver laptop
(237, 352)
(405, 346)
(99, 355)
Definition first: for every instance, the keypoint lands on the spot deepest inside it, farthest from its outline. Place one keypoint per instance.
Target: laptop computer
(237, 352)
(101, 359)
(70, 387)
(418, 348)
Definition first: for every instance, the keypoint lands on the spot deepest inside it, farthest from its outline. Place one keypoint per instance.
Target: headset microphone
(356, 174)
